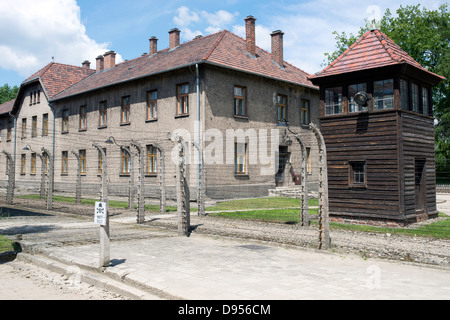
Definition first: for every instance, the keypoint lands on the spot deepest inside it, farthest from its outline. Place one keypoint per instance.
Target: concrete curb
(78, 273)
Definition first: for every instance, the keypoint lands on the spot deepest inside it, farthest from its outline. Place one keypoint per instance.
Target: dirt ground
(22, 281)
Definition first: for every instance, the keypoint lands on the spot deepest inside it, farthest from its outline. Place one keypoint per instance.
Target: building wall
(261, 108)
(418, 145)
(216, 113)
(372, 138)
(28, 109)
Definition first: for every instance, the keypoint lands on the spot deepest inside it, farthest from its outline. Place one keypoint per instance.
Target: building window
(415, 97)
(65, 121)
(304, 113)
(352, 91)
(239, 102)
(65, 162)
(100, 159)
(83, 117)
(333, 101)
(404, 94)
(45, 124)
(152, 105)
(151, 159)
(24, 128)
(82, 161)
(34, 126)
(126, 162)
(103, 115)
(125, 114)
(31, 98)
(281, 108)
(183, 99)
(425, 104)
(240, 158)
(33, 163)
(9, 131)
(383, 94)
(357, 174)
(39, 96)
(23, 164)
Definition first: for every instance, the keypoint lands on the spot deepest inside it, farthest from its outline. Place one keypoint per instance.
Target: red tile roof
(56, 77)
(373, 50)
(223, 49)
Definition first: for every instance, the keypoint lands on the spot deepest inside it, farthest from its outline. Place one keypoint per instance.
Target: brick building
(221, 91)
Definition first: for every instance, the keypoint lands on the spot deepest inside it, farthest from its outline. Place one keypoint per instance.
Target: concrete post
(50, 173)
(42, 186)
(304, 217)
(201, 186)
(324, 228)
(183, 195)
(141, 203)
(11, 178)
(105, 243)
(162, 179)
(78, 187)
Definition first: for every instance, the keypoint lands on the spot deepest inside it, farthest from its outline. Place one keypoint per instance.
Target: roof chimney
(110, 59)
(153, 45)
(174, 38)
(250, 35)
(86, 64)
(99, 63)
(277, 47)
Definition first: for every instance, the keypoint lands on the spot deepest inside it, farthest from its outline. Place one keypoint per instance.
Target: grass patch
(6, 244)
(259, 203)
(87, 201)
(439, 229)
(272, 215)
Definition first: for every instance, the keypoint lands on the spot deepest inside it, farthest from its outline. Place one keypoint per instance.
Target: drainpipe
(50, 104)
(199, 126)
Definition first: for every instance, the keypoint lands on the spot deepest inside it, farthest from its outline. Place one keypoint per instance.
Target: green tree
(425, 36)
(7, 93)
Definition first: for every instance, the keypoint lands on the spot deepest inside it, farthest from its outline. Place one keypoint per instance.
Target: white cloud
(220, 19)
(40, 30)
(185, 17)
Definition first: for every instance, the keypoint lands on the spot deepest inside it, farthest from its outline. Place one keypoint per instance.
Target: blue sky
(32, 32)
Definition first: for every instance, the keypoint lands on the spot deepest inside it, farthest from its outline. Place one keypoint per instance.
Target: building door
(420, 184)
(283, 158)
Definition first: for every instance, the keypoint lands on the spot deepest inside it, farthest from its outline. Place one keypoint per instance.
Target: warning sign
(101, 212)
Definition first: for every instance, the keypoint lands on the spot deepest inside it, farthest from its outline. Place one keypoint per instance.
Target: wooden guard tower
(377, 123)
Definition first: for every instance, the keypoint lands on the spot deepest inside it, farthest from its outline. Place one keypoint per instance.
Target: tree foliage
(8, 93)
(425, 36)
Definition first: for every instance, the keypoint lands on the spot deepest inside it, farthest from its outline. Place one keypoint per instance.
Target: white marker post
(101, 218)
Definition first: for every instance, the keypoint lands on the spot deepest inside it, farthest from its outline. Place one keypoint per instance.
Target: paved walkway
(215, 268)
(443, 203)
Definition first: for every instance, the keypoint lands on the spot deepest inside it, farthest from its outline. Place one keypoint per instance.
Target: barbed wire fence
(264, 218)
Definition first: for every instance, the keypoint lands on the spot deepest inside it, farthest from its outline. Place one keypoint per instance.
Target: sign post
(101, 218)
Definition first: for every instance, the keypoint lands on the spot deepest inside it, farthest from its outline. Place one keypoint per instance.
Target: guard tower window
(352, 91)
(333, 101)
(383, 92)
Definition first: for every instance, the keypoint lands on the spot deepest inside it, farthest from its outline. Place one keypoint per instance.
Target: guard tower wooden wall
(381, 160)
